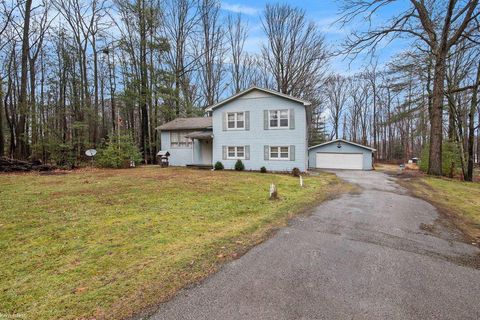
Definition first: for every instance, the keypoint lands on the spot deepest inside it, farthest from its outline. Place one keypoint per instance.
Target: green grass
(457, 197)
(109, 243)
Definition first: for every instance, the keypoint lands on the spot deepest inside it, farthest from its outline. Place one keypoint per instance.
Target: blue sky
(324, 13)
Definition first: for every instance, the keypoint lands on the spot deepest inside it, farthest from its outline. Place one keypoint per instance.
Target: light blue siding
(178, 156)
(346, 148)
(257, 137)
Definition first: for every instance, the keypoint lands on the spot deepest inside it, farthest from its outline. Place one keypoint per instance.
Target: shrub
(450, 155)
(118, 152)
(296, 172)
(263, 170)
(63, 154)
(239, 166)
(218, 165)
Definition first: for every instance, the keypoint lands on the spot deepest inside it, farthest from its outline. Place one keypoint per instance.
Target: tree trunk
(478, 139)
(95, 84)
(22, 139)
(102, 100)
(451, 126)
(8, 103)
(111, 78)
(2, 137)
(144, 139)
(471, 127)
(33, 101)
(436, 113)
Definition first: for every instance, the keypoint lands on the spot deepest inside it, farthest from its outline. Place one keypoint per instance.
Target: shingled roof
(269, 91)
(187, 124)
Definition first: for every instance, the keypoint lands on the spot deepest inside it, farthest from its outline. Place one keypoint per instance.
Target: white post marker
(301, 181)
(273, 192)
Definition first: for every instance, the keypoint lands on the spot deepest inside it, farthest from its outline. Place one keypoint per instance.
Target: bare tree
(40, 25)
(210, 51)
(22, 138)
(181, 17)
(5, 20)
(463, 80)
(295, 52)
(6, 16)
(372, 77)
(471, 125)
(237, 34)
(439, 29)
(336, 90)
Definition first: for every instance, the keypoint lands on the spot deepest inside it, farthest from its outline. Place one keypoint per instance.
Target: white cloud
(239, 8)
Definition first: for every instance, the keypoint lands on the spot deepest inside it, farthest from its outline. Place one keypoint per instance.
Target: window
(235, 120)
(279, 153)
(279, 119)
(236, 152)
(178, 139)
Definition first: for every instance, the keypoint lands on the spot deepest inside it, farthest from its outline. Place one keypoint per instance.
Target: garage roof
(342, 140)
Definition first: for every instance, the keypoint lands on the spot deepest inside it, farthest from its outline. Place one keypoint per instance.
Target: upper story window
(235, 120)
(178, 139)
(279, 118)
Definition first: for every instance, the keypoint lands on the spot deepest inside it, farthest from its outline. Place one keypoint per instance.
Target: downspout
(193, 150)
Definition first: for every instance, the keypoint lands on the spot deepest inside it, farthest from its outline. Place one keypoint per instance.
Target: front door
(206, 151)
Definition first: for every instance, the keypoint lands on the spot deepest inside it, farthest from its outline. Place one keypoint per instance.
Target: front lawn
(109, 243)
(460, 199)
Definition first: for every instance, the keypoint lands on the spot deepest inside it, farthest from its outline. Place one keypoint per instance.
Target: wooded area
(74, 73)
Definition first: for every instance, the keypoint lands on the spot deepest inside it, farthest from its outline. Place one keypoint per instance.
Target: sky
(324, 13)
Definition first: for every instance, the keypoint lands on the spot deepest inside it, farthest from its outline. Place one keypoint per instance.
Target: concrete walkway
(363, 256)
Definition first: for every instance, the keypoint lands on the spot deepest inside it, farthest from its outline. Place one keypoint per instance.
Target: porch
(201, 149)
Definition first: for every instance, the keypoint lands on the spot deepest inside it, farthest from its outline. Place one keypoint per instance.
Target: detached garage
(340, 154)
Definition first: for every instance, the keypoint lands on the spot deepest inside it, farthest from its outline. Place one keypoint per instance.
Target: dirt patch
(427, 227)
(53, 173)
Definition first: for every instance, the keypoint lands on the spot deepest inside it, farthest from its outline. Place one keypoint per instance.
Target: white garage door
(340, 160)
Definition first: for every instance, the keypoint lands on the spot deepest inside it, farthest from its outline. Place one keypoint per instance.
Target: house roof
(187, 124)
(342, 140)
(241, 93)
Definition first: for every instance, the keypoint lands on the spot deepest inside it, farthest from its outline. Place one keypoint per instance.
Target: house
(188, 140)
(261, 127)
(340, 154)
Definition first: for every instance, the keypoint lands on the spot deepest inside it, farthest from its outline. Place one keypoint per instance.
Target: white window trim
(278, 120)
(236, 157)
(188, 145)
(235, 113)
(278, 149)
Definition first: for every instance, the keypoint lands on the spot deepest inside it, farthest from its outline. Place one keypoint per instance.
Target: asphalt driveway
(379, 254)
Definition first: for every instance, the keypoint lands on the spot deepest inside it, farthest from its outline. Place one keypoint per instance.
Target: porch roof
(196, 123)
(205, 135)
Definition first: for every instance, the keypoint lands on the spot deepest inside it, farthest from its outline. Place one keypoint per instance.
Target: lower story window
(237, 152)
(178, 139)
(279, 153)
